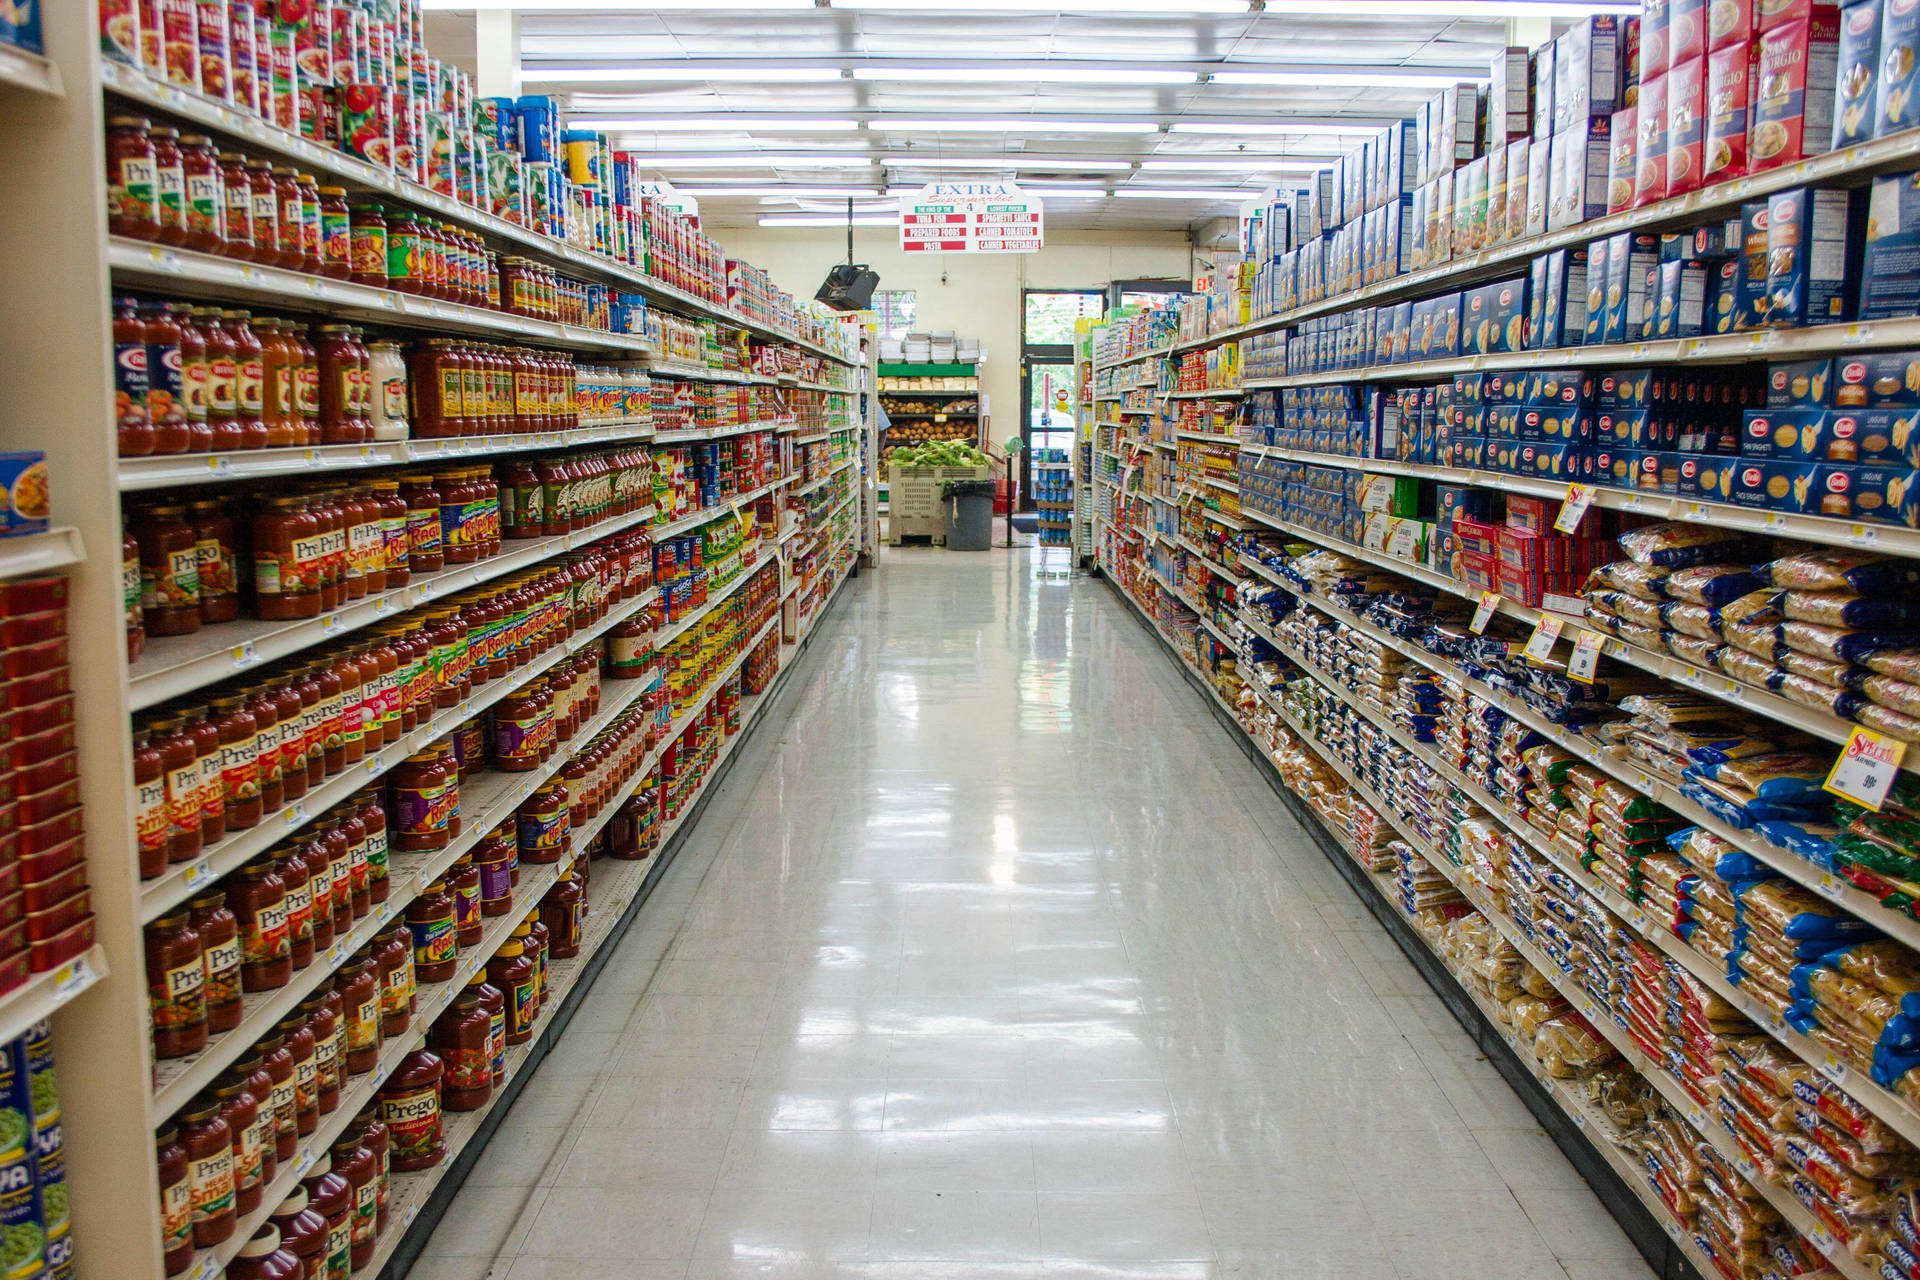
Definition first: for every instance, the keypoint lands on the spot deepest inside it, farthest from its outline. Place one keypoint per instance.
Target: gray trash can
(969, 514)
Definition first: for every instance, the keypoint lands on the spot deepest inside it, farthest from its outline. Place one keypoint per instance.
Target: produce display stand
(915, 507)
(57, 376)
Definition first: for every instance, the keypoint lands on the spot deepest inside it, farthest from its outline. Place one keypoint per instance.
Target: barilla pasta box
(1799, 384)
(1890, 273)
(1894, 104)
(1680, 304)
(1650, 160)
(1556, 422)
(1773, 485)
(1502, 324)
(1599, 255)
(1632, 262)
(1793, 108)
(1446, 326)
(1622, 159)
(1503, 388)
(1563, 312)
(1586, 70)
(1620, 428)
(1813, 256)
(1730, 23)
(1722, 290)
(1686, 123)
(1795, 435)
(1557, 386)
(1730, 80)
(1552, 461)
(1613, 465)
(1882, 494)
(1858, 73)
(1714, 479)
(1686, 31)
(1621, 388)
(1876, 380)
(1468, 451)
(1750, 286)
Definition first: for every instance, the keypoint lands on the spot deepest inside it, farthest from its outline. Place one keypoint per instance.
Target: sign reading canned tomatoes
(970, 217)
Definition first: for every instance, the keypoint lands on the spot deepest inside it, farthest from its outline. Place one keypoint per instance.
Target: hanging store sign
(970, 217)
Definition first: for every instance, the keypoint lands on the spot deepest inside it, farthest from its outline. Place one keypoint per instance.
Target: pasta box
(1750, 285)
(1857, 72)
(1877, 379)
(1552, 461)
(1468, 451)
(1650, 164)
(1686, 31)
(1599, 255)
(1620, 428)
(1550, 423)
(1722, 294)
(1446, 326)
(1890, 274)
(1539, 192)
(1622, 388)
(1587, 70)
(1519, 154)
(1622, 159)
(1729, 23)
(1686, 123)
(1556, 386)
(1564, 312)
(1712, 477)
(1813, 257)
(1655, 26)
(1579, 181)
(1884, 495)
(1503, 387)
(1796, 435)
(1680, 306)
(1773, 485)
(1793, 105)
(1495, 316)
(1894, 105)
(1631, 260)
(1800, 384)
(23, 483)
(1886, 437)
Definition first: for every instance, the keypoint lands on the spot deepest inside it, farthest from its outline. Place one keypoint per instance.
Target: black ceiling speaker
(848, 287)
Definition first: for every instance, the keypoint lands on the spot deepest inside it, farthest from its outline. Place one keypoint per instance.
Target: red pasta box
(1650, 166)
(1621, 161)
(1686, 31)
(1729, 97)
(1794, 90)
(1769, 14)
(1686, 124)
(1654, 26)
(1729, 23)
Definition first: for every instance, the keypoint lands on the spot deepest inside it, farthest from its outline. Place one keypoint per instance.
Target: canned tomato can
(366, 122)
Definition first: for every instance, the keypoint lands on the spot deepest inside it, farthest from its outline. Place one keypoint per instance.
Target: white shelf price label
(1545, 633)
(1866, 768)
(1573, 507)
(1489, 605)
(74, 973)
(1586, 657)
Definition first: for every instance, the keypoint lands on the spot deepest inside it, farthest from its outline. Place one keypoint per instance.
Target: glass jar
(303, 1233)
(134, 429)
(493, 859)
(424, 550)
(176, 1202)
(209, 1145)
(253, 1072)
(218, 381)
(258, 898)
(321, 1010)
(306, 1098)
(176, 986)
(263, 1257)
(435, 944)
(410, 1108)
(397, 988)
(367, 229)
(150, 805)
(276, 1059)
(206, 195)
(496, 1009)
(239, 1110)
(361, 1169)
(543, 825)
(336, 234)
(170, 185)
(373, 816)
(219, 935)
(297, 881)
(237, 193)
(360, 995)
(463, 883)
(287, 559)
(514, 972)
(387, 367)
(133, 199)
(329, 1196)
(374, 1137)
(424, 789)
(463, 1038)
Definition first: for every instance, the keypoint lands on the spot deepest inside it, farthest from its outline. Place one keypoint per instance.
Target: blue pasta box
(1722, 294)
(1468, 451)
(1773, 485)
(1613, 465)
(1897, 89)
(1796, 435)
(1552, 461)
(1557, 386)
(1619, 427)
(1877, 379)
(1658, 471)
(1562, 312)
(1882, 437)
(1504, 387)
(1453, 500)
(1469, 388)
(1446, 326)
(1632, 260)
(1504, 326)
(1857, 73)
(23, 480)
(1553, 423)
(1884, 495)
(1813, 256)
(1799, 384)
(1621, 388)
(1594, 322)
(1680, 307)
(20, 26)
(1750, 283)
(1713, 480)
(1890, 273)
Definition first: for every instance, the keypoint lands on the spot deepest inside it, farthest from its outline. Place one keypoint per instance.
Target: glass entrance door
(1046, 373)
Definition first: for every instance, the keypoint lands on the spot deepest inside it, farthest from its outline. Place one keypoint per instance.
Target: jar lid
(296, 1202)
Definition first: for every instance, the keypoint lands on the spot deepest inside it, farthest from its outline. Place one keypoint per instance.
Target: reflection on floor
(998, 960)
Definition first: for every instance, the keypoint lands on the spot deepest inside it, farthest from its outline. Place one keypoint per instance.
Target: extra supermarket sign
(970, 217)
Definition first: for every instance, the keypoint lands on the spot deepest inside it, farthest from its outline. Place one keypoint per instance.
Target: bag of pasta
(1567, 1045)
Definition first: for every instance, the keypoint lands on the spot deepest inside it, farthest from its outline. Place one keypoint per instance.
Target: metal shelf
(41, 995)
(201, 275)
(23, 70)
(163, 471)
(1213, 393)
(57, 548)
(134, 85)
(1847, 165)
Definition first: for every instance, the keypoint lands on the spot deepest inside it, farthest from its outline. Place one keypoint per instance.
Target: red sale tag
(1545, 633)
(1867, 766)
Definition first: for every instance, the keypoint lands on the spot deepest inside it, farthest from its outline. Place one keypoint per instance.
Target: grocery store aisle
(998, 959)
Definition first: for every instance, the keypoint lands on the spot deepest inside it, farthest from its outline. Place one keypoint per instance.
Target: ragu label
(433, 940)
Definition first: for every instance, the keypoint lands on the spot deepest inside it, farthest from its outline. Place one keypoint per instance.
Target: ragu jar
(135, 428)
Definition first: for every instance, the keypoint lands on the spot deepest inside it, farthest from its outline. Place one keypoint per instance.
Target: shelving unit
(57, 380)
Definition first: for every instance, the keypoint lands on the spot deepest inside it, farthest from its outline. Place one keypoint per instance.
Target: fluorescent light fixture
(1063, 190)
(1006, 162)
(1449, 9)
(759, 160)
(1185, 193)
(1209, 164)
(1346, 79)
(1045, 73)
(823, 220)
(535, 6)
(789, 193)
(686, 73)
(1018, 124)
(1159, 8)
(711, 124)
(1260, 130)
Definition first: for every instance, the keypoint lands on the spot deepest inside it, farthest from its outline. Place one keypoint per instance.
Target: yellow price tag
(1586, 657)
(1489, 605)
(1573, 507)
(1867, 766)
(1545, 634)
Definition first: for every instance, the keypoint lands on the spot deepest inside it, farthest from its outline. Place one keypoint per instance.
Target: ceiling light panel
(757, 160)
(1018, 124)
(711, 124)
(1204, 164)
(826, 220)
(685, 73)
(1184, 193)
(1343, 79)
(1155, 8)
(1265, 129)
(1024, 75)
(1006, 162)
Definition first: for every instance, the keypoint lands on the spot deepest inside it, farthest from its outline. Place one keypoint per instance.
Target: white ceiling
(629, 51)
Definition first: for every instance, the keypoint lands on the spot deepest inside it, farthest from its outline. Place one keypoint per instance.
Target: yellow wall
(981, 294)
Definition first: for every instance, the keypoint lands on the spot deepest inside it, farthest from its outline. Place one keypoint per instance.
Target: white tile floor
(997, 959)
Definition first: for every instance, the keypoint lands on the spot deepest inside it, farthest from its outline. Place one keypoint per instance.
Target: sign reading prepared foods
(970, 217)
